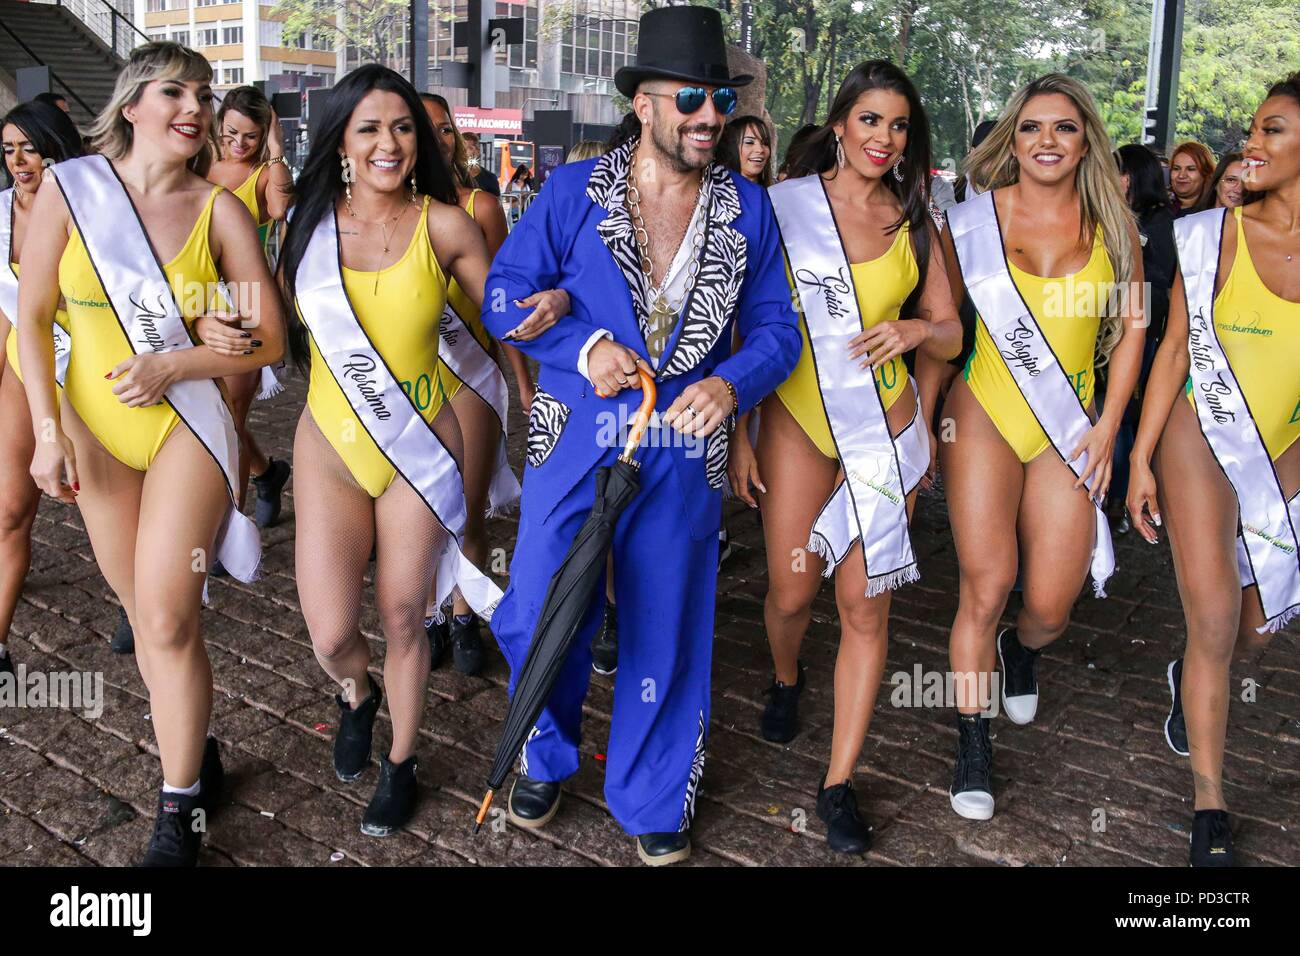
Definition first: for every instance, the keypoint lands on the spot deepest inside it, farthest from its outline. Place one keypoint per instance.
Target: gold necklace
(384, 230)
(661, 305)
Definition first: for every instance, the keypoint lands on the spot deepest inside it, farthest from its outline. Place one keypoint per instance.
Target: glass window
(234, 75)
(232, 34)
(208, 37)
(182, 37)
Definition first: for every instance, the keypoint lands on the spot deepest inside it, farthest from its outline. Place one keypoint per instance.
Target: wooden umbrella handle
(649, 395)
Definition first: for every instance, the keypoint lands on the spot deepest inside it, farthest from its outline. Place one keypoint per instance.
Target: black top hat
(680, 43)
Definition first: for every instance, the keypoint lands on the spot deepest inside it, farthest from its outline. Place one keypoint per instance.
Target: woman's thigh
(1057, 530)
(19, 495)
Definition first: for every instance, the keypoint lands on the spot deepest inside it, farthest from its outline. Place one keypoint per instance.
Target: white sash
(386, 412)
(9, 287)
(479, 372)
(142, 300)
(1025, 350)
(876, 500)
(1267, 550)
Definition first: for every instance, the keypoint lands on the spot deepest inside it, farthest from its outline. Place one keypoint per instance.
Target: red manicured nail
(109, 375)
(76, 486)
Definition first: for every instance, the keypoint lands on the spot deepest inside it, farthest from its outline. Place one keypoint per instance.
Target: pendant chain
(660, 303)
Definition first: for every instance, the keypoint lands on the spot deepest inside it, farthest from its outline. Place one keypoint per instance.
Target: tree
(376, 29)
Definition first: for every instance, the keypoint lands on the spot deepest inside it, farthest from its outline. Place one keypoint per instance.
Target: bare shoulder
(448, 222)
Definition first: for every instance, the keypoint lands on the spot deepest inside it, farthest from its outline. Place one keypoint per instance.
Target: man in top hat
(662, 252)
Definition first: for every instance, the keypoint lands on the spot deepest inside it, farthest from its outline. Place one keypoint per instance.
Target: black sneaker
(972, 792)
(604, 646)
(177, 832)
(1175, 726)
(1211, 842)
(846, 831)
(466, 644)
(211, 776)
(724, 546)
(124, 636)
(439, 636)
(356, 727)
(269, 484)
(393, 804)
(780, 721)
(1019, 677)
(660, 849)
(6, 663)
(533, 803)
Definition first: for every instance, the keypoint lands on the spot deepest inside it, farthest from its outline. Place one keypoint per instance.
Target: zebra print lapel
(723, 258)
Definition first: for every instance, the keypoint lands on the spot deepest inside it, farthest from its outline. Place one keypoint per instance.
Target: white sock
(189, 791)
(4, 651)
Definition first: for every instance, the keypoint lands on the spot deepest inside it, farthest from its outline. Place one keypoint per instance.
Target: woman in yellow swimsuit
(375, 165)
(151, 494)
(251, 165)
(32, 134)
(877, 193)
(478, 423)
(1016, 507)
(1256, 313)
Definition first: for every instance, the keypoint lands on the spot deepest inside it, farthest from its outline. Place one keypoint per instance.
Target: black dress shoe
(177, 832)
(356, 728)
(269, 484)
(780, 722)
(466, 644)
(846, 831)
(660, 849)
(393, 804)
(532, 803)
(604, 646)
(439, 636)
(1211, 843)
(211, 776)
(124, 636)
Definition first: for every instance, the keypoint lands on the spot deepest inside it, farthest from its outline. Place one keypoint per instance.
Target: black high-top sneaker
(846, 831)
(393, 804)
(124, 637)
(356, 728)
(972, 791)
(604, 646)
(1175, 726)
(177, 831)
(439, 635)
(1211, 842)
(780, 721)
(211, 776)
(269, 484)
(1019, 677)
(466, 644)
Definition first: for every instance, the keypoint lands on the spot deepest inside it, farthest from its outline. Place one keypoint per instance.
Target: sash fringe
(269, 385)
(1276, 624)
(819, 545)
(893, 580)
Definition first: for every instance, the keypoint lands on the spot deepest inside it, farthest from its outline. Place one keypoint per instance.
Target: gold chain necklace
(386, 229)
(660, 304)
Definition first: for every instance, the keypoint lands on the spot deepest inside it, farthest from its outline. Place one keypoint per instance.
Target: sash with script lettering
(1025, 350)
(141, 298)
(479, 372)
(870, 504)
(1267, 550)
(9, 286)
(386, 412)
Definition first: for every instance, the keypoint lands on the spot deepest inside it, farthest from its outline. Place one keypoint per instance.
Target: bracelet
(277, 159)
(731, 390)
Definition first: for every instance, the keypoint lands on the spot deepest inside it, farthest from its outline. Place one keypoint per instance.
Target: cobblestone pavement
(1091, 782)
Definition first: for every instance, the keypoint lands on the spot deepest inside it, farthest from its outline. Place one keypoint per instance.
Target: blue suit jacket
(577, 236)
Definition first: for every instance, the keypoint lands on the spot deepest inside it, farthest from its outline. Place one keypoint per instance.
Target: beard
(671, 143)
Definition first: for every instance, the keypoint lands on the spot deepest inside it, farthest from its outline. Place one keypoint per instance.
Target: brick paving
(1091, 782)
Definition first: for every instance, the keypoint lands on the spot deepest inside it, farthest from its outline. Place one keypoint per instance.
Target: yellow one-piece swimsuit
(1260, 334)
(469, 314)
(131, 435)
(11, 341)
(1068, 310)
(881, 285)
(246, 193)
(400, 309)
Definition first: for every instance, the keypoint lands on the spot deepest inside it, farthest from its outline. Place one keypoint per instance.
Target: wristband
(731, 390)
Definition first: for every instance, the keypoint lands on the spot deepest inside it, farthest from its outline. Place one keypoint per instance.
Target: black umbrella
(567, 600)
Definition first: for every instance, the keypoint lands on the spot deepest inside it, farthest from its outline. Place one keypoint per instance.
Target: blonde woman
(135, 240)
(1219, 435)
(251, 165)
(1049, 255)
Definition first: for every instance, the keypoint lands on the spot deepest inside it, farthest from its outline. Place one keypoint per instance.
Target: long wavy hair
(251, 102)
(460, 152)
(733, 135)
(113, 135)
(992, 165)
(816, 155)
(50, 131)
(321, 181)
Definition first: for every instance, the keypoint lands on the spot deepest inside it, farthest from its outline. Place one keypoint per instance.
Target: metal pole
(420, 45)
(482, 55)
(1164, 58)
